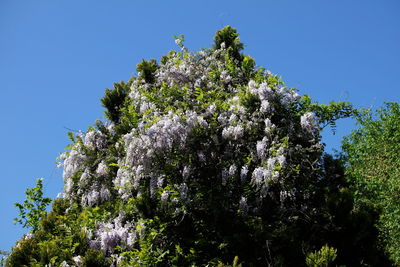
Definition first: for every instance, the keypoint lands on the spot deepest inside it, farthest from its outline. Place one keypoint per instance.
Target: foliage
(146, 69)
(34, 207)
(229, 38)
(328, 114)
(113, 101)
(372, 156)
(321, 258)
(205, 158)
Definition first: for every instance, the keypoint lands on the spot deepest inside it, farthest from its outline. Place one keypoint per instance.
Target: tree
(206, 160)
(34, 207)
(373, 167)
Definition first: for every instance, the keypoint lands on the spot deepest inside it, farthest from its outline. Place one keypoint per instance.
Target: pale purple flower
(185, 172)
(269, 126)
(232, 170)
(160, 181)
(265, 106)
(264, 91)
(271, 163)
(78, 260)
(260, 175)
(308, 122)
(95, 139)
(164, 196)
(101, 169)
(282, 160)
(233, 132)
(261, 148)
(243, 173)
(153, 186)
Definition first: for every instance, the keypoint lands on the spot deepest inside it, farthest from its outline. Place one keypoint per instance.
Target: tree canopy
(372, 155)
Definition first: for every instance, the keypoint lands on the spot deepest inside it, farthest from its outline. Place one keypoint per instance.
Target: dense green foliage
(321, 258)
(205, 160)
(372, 154)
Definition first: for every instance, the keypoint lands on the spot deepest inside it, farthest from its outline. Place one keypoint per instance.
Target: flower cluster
(109, 235)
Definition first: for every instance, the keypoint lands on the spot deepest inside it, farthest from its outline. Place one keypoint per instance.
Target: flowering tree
(204, 159)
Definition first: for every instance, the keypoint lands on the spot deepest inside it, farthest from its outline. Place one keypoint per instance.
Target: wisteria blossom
(308, 122)
(164, 196)
(243, 173)
(233, 132)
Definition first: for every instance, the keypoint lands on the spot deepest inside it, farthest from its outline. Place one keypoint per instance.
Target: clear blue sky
(57, 57)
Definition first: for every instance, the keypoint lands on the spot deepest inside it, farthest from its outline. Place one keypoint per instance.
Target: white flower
(153, 186)
(281, 150)
(122, 182)
(271, 163)
(84, 177)
(28, 236)
(185, 172)
(233, 132)
(282, 160)
(68, 186)
(201, 156)
(225, 76)
(269, 126)
(112, 234)
(64, 264)
(232, 118)
(223, 118)
(264, 92)
(243, 173)
(160, 181)
(232, 170)
(130, 241)
(252, 86)
(73, 162)
(294, 96)
(261, 148)
(211, 109)
(94, 139)
(101, 169)
(93, 197)
(307, 122)
(104, 193)
(265, 106)
(260, 175)
(78, 260)
(164, 196)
